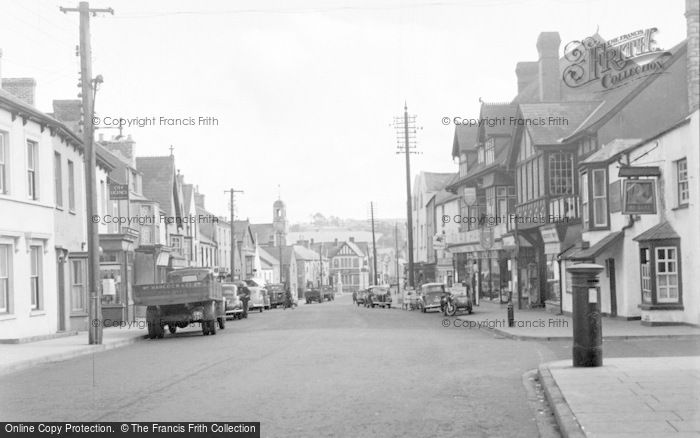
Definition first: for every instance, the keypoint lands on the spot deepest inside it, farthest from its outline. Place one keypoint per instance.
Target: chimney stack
(548, 66)
(526, 73)
(692, 11)
(22, 88)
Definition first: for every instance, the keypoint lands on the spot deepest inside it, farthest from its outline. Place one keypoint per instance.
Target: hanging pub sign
(118, 192)
(639, 196)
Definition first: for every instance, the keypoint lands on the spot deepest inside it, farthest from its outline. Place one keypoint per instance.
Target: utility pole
(93, 238)
(374, 245)
(233, 232)
(406, 141)
(396, 256)
(320, 257)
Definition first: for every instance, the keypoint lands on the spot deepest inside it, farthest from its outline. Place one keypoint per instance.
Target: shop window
(667, 275)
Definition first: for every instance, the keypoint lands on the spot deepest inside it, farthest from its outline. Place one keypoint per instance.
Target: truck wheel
(222, 323)
(172, 328)
(152, 334)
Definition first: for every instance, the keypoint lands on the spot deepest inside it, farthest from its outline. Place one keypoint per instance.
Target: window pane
(660, 253)
(671, 253)
(600, 213)
(599, 183)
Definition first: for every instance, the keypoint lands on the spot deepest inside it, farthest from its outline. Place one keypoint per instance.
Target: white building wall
(25, 222)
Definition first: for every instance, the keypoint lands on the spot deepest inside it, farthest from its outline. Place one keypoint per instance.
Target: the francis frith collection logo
(613, 63)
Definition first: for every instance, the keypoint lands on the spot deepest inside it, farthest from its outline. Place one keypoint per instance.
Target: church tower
(279, 222)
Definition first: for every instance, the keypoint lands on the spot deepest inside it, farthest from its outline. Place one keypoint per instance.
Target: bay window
(660, 271)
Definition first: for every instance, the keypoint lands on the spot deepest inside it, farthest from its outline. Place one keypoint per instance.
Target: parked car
(259, 298)
(327, 293)
(276, 294)
(360, 297)
(234, 304)
(431, 296)
(313, 295)
(378, 296)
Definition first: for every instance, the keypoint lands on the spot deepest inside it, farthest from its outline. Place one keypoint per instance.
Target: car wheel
(450, 309)
(388, 306)
(172, 329)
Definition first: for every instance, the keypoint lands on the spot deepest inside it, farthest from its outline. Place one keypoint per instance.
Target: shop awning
(163, 259)
(593, 251)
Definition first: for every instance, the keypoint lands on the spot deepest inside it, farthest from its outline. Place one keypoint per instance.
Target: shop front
(117, 275)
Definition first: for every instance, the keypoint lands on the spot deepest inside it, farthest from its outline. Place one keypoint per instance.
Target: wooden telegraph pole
(233, 232)
(93, 239)
(406, 143)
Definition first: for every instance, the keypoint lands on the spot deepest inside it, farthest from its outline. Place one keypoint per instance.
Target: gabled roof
(437, 181)
(267, 256)
(610, 151)
(551, 133)
(356, 249)
(498, 112)
(465, 139)
(443, 197)
(187, 190)
(662, 231)
(264, 233)
(303, 253)
(159, 180)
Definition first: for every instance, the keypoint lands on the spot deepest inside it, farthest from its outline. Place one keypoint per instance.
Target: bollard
(511, 316)
(588, 333)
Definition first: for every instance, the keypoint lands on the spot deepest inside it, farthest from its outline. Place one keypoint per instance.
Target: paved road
(329, 369)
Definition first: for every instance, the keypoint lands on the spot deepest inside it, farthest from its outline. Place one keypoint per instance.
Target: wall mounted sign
(639, 196)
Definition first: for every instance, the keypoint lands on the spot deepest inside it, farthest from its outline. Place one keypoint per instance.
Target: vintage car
(276, 294)
(458, 298)
(327, 293)
(431, 296)
(360, 297)
(234, 304)
(259, 298)
(378, 296)
(313, 296)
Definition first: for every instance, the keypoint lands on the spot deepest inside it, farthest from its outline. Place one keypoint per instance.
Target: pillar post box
(588, 333)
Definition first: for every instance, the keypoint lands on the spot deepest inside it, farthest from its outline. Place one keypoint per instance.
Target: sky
(304, 92)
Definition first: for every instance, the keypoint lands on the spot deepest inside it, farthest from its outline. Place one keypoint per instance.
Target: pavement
(627, 397)
(16, 357)
(540, 325)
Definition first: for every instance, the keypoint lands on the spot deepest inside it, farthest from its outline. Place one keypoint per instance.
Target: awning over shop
(593, 251)
(163, 259)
